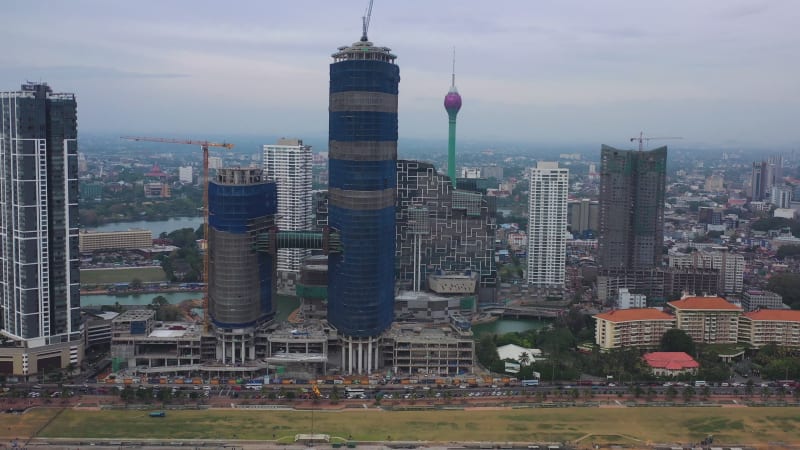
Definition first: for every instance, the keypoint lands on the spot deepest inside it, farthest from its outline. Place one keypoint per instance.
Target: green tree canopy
(787, 285)
(676, 340)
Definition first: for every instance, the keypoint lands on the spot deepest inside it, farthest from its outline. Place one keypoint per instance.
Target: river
(285, 304)
(156, 226)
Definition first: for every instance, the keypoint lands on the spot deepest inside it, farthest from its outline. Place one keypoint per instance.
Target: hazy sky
(719, 73)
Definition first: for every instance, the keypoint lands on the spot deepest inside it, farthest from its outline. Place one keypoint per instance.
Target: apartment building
(770, 326)
(636, 327)
(710, 320)
(755, 299)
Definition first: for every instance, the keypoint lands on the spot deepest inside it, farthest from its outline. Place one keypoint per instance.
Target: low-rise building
(770, 326)
(90, 241)
(637, 327)
(412, 349)
(710, 320)
(628, 300)
(670, 364)
(757, 299)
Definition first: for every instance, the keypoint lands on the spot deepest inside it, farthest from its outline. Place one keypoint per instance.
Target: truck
(158, 414)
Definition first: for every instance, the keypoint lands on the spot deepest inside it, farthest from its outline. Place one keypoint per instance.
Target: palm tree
(524, 358)
(781, 391)
(688, 393)
(705, 392)
(671, 393)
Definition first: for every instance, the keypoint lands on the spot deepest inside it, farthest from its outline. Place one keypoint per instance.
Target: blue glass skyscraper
(363, 157)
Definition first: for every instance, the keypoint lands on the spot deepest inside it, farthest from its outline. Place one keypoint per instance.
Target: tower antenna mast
(365, 21)
(453, 81)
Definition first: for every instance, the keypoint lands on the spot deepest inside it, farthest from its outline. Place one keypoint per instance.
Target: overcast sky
(718, 73)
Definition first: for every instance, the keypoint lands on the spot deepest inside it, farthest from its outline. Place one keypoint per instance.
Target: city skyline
(716, 74)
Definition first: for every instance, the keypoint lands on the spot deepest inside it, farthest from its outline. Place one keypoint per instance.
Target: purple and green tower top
(452, 104)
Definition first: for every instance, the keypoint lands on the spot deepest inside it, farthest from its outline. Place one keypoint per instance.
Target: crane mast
(365, 22)
(204, 145)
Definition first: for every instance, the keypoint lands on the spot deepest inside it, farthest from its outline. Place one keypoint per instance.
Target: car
(725, 385)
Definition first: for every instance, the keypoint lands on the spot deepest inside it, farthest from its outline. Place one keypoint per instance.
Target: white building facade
(185, 174)
(288, 163)
(547, 225)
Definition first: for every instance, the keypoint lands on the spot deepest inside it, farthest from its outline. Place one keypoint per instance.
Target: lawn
(123, 275)
(622, 425)
(25, 425)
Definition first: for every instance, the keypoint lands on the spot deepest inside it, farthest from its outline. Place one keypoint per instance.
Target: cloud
(90, 72)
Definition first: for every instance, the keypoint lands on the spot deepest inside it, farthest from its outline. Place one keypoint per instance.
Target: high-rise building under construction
(363, 154)
(632, 187)
(241, 291)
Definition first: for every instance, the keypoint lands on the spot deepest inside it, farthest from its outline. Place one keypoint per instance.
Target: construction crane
(641, 139)
(204, 145)
(365, 22)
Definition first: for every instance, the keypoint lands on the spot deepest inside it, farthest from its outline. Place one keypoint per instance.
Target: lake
(503, 326)
(156, 226)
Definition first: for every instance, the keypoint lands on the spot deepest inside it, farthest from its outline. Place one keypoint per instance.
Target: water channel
(285, 304)
(156, 226)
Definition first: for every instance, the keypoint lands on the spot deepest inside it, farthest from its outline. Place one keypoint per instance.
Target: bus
(529, 383)
(355, 392)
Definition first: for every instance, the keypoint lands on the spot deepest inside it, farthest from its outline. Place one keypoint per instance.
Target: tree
(671, 393)
(688, 393)
(524, 358)
(786, 285)
(788, 251)
(676, 340)
(136, 284)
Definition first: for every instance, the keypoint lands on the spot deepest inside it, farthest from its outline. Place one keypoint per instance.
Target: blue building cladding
(361, 175)
(362, 184)
(365, 76)
(236, 212)
(233, 206)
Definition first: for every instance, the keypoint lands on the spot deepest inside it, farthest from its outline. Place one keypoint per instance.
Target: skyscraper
(452, 104)
(288, 164)
(547, 225)
(632, 186)
(39, 259)
(440, 228)
(363, 154)
(240, 280)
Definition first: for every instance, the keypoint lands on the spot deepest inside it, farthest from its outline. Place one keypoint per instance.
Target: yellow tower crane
(644, 140)
(204, 145)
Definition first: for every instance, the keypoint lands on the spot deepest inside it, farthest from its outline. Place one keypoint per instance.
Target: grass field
(124, 275)
(611, 425)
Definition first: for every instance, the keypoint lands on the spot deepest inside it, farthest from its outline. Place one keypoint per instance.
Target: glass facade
(39, 256)
(240, 209)
(363, 143)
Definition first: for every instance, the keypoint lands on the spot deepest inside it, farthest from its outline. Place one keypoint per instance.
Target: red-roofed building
(670, 363)
(710, 320)
(770, 326)
(635, 327)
